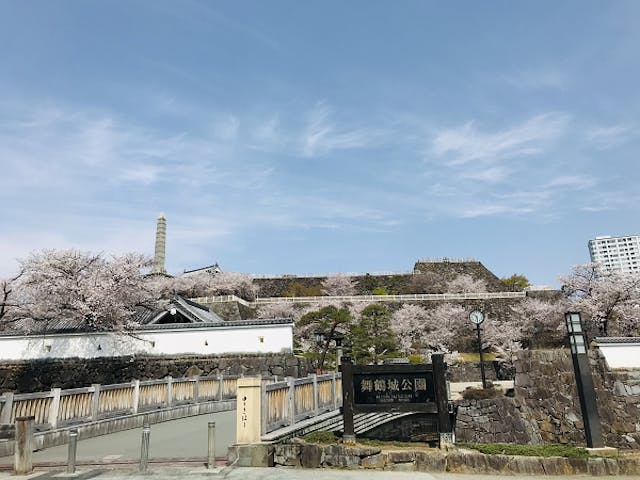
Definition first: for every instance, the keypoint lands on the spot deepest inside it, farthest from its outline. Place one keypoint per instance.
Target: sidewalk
(232, 473)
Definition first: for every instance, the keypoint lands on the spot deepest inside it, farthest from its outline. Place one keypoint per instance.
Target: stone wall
(42, 375)
(306, 455)
(546, 408)
(443, 272)
(496, 420)
(545, 382)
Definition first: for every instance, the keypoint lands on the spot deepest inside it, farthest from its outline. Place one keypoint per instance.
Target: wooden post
(292, 400)
(316, 399)
(23, 456)
(169, 391)
(249, 408)
(135, 407)
(54, 408)
(221, 387)
(346, 367)
(196, 389)
(7, 408)
(334, 390)
(445, 428)
(264, 413)
(95, 402)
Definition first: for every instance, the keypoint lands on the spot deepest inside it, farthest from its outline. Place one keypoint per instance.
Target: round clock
(476, 317)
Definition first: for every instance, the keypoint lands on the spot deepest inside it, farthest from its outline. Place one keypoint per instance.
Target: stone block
(401, 456)
(377, 461)
(497, 463)
(253, 455)
(340, 457)
(520, 465)
(287, 454)
(311, 456)
(466, 462)
(431, 462)
(629, 466)
(602, 466)
(401, 467)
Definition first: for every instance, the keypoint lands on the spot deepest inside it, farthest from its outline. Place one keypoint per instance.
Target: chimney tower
(161, 243)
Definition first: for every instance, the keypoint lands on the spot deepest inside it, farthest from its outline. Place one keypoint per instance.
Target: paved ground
(186, 437)
(173, 473)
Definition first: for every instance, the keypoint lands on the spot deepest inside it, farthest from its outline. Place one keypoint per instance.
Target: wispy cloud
(466, 143)
(608, 137)
(534, 79)
(323, 135)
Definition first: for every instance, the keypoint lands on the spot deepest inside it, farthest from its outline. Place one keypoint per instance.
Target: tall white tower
(161, 244)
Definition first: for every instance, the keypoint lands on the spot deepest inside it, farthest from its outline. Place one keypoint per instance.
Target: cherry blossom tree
(447, 324)
(339, 284)
(7, 301)
(539, 322)
(409, 324)
(609, 301)
(204, 284)
(466, 284)
(436, 329)
(82, 288)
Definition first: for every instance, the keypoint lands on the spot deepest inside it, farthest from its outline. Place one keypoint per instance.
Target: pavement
(253, 473)
(182, 438)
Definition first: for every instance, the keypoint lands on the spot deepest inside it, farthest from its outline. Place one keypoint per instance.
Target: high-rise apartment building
(616, 254)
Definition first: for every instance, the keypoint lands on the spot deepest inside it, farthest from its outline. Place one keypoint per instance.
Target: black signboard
(399, 387)
(385, 388)
(393, 387)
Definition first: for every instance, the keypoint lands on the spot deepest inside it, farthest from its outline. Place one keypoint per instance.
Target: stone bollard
(144, 449)
(211, 457)
(71, 454)
(23, 456)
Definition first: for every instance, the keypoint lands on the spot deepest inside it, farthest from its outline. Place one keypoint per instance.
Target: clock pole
(484, 378)
(477, 317)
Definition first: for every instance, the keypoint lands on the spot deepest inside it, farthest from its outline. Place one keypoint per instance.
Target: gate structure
(396, 388)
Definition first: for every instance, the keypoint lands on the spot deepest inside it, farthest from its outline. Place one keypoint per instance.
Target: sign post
(395, 388)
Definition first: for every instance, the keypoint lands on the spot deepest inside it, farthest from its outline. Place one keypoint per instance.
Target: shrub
(380, 291)
(321, 436)
(480, 393)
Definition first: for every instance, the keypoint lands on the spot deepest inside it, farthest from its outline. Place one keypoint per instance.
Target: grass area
(551, 450)
(475, 357)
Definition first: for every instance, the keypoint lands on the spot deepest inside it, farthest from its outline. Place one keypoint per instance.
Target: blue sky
(292, 137)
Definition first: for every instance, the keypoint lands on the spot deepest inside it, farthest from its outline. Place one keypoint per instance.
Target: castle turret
(161, 243)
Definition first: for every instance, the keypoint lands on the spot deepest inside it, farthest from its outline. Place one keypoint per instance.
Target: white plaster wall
(621, 355)
(251, 339)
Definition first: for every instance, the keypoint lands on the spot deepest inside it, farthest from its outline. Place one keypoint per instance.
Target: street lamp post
(584, 380)
(477, 317)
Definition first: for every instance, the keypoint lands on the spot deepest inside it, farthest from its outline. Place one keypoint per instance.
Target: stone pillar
(248, 410)
(23, 456)
(161, 243)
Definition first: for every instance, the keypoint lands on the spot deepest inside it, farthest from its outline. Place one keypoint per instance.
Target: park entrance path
(175, 439)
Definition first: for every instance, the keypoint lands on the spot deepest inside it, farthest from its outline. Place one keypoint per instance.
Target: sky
(317, 137)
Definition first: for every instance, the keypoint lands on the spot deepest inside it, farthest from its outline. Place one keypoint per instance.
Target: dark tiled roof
(617, 339)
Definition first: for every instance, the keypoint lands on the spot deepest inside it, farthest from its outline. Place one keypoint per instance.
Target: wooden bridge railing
(288, 402)
(77, 405)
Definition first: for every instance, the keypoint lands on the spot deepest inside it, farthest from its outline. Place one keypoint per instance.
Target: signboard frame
(438, 406)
